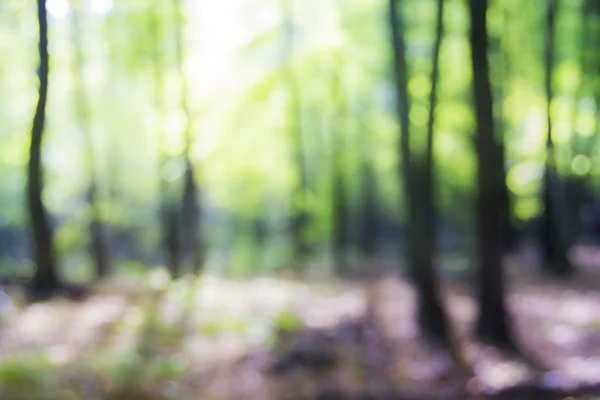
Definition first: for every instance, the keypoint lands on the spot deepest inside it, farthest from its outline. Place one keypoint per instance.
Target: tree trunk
(367, 231)
(509, 233)
(432, 314)
(98, 235)
(190, 207)
(339, 206)
(419, 201)
(492, 324)
(172, 238)
(45, 280)
(299, 212)
(191, 213)
(553, 239)
(168, 214)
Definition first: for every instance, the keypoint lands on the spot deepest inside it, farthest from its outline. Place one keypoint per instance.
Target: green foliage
(237, 71)
(286, 322)
(21, 377)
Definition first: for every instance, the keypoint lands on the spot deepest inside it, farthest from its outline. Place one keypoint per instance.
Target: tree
(553, 236)
(419, 195)
(492, 324)
(579, 194)
(339, 205)
(45, 279)
(98, 238)
(367, 232)
(190, 207)
(169, 215)
(299, 212)
(509, 234)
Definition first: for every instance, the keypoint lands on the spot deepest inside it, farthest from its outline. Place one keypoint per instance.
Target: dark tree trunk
(509, 233)
(492, 324)
(553, 238)
(190, 207)
(98, 236)
(45, 279)
(172, 238)
(433, 315)
(169, 216)
(367, 232)
(419, 201)
(578, 191)
(191, 213)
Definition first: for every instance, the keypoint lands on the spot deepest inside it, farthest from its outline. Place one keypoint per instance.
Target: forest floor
(145, 337)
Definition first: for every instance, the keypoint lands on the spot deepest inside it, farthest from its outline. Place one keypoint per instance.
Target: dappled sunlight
(234, 323)
(127, 331)
(495, 375)
(38, 325)
(299, 200)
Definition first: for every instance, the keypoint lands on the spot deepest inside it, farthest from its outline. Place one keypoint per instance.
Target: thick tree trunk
(419, 201)
(98, 236)
(553, 236)
(509, 233)
(492, 324)
(45, 280)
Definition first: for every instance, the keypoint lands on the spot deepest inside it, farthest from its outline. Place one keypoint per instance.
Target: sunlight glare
(57, 8)
(580, 165)
(159, 279)
(102, 7)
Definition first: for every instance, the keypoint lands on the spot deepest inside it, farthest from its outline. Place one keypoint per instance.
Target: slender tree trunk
(45, 279)
(339, 205)
(168, 210)
(553, 240)
(434, 317)
(299, 212)
(419, 201)
(492, 324)
(98, 236)
(190, 207)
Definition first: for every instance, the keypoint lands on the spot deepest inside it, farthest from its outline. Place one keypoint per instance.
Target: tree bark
(492, 324)
(190, 207)
(45, 279)
(553, 239)
(509, 233)
(367, 232)
(419, 194)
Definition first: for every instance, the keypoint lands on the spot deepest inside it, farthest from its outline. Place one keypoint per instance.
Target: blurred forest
(284, 199)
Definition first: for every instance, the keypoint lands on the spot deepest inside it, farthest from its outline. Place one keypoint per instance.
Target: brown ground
(217, 348)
